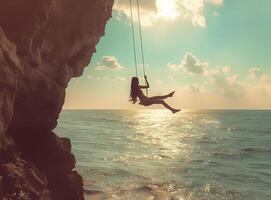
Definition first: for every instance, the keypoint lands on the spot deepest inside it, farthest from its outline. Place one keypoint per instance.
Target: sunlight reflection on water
(188, 155)
(153, 127)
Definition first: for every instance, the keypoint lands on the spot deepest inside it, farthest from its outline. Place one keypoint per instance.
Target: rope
(133, 36)
(141, 42)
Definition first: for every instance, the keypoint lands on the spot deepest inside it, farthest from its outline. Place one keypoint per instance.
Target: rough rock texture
(43, 44)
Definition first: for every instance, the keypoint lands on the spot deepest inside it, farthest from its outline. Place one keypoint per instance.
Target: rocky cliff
(43, 44)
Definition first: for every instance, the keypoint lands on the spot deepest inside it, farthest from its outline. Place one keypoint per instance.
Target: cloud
(120, 79)
(152, 11)
(219, 80)
(194, 9)
(255, 73)
(195, 88)
(102, 78)
(229, 85)
(191, 65)
(173, 67)
(167, 9)
(217, 2)
(108, 63)
(124, 6)
(199, 20)
(266, 78)
(194, 6)
(226, 69)
(148, 11)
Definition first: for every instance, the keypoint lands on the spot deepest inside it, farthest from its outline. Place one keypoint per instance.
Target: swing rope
(141, 42)
(133, 36)
(141, 39)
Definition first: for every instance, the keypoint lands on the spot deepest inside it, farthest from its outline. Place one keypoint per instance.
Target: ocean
(153, 154)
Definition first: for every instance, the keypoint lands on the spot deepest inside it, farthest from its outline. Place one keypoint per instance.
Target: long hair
(134, 90)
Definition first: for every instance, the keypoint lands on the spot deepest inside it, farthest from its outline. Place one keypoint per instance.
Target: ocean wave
(197, 150)
(256, 150)
(166, 191)
(231, 153)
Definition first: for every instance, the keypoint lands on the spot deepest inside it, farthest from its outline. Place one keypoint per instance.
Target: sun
(167, 9)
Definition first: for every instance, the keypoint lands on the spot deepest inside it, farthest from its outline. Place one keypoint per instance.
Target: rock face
(43, 44)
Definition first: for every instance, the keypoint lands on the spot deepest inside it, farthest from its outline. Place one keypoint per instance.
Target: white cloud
(217, 2)
(173, 67)
(104, 78)
(199, 20)
(152, 11)
(219, 80)
(191, 65)
(223, 82)
(167, 9)
(120, 79)
(148, 11)
(226, 69)
(229, 85)
(195, 6)
(108, 63)
(193, 9)
(266, 78)
(195, 88)
(255, 73)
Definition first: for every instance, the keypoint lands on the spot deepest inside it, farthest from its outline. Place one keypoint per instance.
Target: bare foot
(171, 94)
(176, 110)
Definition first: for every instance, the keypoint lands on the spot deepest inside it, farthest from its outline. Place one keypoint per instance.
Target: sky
(214, 53)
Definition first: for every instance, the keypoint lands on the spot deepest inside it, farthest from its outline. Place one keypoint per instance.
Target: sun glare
(167, 9)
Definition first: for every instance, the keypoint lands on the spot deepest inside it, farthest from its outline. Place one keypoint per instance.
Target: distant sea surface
(153, 154)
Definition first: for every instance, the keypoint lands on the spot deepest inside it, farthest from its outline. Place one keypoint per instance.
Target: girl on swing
(136, 92)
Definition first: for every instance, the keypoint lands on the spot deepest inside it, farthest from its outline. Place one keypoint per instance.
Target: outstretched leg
(161, 97)
(159, 101)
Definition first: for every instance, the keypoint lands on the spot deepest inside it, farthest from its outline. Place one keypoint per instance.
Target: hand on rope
(145, 77)
(147, 85)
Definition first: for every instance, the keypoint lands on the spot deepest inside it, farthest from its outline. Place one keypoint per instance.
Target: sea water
(153, 154)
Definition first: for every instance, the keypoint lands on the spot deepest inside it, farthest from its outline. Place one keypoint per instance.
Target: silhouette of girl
(136, 92)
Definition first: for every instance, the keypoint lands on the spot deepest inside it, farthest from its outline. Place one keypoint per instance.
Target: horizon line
(252, 109)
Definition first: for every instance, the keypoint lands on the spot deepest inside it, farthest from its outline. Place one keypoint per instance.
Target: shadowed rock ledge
(43, 44)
